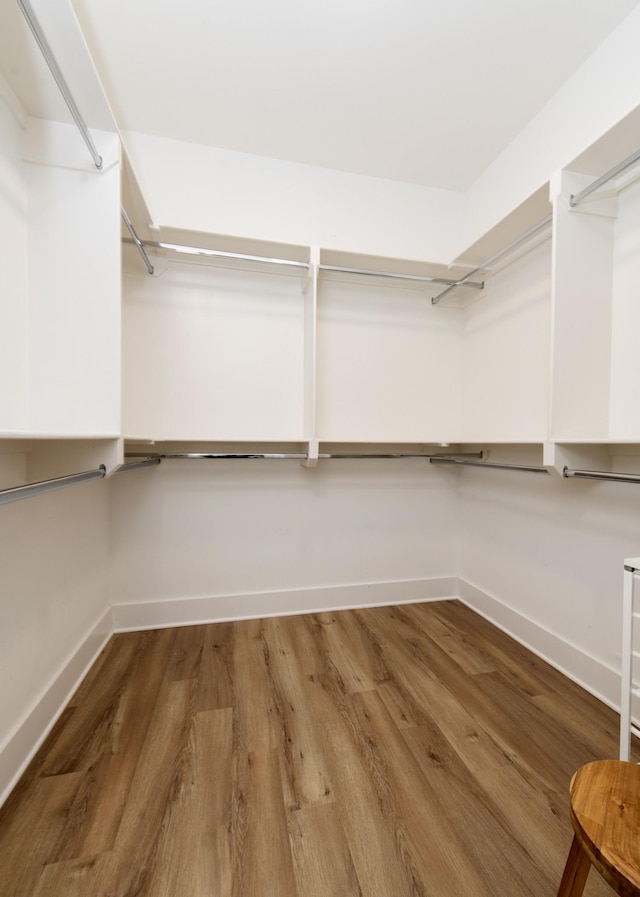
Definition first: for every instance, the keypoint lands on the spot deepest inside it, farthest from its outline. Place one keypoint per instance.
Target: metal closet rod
(576, 199)
(136, 239)
(342, 269)
(492, 465)
(219, 253)
(494, 258)
(58, 77)
(17, 493)
(419, 278)
(290, 456)
(136, 465)
(601, 475)
(206, 456)
(409, 455)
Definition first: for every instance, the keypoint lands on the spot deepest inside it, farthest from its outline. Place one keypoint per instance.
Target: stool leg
(576, 870)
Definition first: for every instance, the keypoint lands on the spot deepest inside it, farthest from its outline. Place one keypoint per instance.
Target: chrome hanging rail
(494, 258)
(294, 456)
(399, 455)
(219, 253)
(418, 278)
(30, 490)
(217, 456)
(17, 493)
(291, 263)
(58, 77)
(576, 199)
(467, 459)
(491, 465)
(136, 239)
(601, 475)
(136, 465)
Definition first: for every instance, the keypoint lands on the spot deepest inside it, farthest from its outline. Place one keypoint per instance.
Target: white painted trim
(590, 673)
(220, 608)
(21, 745)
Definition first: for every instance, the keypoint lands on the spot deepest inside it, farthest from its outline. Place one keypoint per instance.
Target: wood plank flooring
(411, 751)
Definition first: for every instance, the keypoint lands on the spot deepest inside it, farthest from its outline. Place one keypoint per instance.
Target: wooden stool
(605, 813)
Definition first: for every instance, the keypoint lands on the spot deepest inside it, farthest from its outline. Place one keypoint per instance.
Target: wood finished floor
(386, 752)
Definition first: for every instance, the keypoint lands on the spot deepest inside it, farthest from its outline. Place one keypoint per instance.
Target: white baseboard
(587, 671)
(21, 745)
(219, 608)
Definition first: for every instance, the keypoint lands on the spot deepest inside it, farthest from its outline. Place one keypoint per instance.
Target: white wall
(191, 529)
(219, 191)
(548, 555)
(54, 553)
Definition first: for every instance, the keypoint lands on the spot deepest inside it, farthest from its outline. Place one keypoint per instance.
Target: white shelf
(78, 437)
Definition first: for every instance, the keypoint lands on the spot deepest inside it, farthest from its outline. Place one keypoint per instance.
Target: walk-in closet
(319, 445)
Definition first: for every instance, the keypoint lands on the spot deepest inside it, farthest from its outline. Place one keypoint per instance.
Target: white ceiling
(424, 91)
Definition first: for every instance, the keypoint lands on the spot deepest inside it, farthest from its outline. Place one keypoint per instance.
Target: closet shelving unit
(595, 401)
(291, 373)
(60, 340)
(377, 365)
(521, 349)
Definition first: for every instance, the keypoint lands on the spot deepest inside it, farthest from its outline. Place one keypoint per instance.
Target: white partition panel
(13, 274)
(625, 327)
(505, 354)
(74, 284)
(581, 353)
(388, 365)
(212, 353)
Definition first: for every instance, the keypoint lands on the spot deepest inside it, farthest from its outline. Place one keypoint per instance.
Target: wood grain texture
(409, 751)
(605, 811)
(576, 871)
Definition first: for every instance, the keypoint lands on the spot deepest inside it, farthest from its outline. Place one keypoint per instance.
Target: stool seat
(605, 814)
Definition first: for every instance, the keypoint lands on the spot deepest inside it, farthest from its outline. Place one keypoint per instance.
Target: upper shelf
(519, 221)
(614, 146)
(166, 244)
(407, 273)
